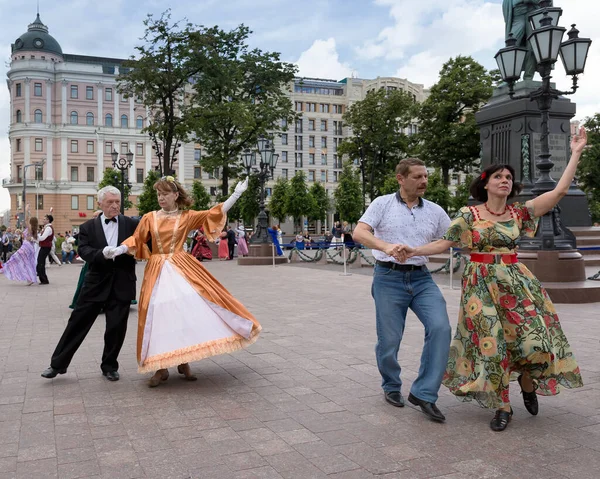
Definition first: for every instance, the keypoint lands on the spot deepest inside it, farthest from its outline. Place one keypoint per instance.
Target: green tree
(378, 140)
(437, 191)
(112, 177)
(148, 201)
(348, 194)
(172, 55)
(241, 95)
(298, 201)
(448, 134)
(200, 196)
(589, 166)
(390, 185)
(461, 195)
(319, 202)
(278, 200)
(250, 201)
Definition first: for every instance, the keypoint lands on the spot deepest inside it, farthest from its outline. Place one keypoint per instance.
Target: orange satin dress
(184, 313)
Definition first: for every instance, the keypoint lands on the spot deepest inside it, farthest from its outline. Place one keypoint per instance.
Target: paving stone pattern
(303, 402)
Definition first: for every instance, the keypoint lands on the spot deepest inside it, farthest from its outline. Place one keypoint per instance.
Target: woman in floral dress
(507, 324)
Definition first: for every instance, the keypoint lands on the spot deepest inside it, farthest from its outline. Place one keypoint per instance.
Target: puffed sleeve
(527, 219)
(460, 229)
(213, 221)
(137, 242)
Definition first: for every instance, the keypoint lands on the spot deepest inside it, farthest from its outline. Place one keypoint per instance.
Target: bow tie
(108, 220)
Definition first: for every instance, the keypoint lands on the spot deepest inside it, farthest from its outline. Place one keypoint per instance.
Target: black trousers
(41, 264)
(4, 253)
(79, 325)
(231, 247)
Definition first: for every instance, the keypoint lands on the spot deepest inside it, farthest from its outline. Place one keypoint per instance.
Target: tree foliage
(200, 196)
(278, 200)
(437, 191)
(589, 166)
(240, 96)
(112, 177)
(348, 194)
(298, 201)
(158, 74)
(448, 134)
(461, 195)
(319, 201)
(250, 201)
(378, 138)
(148, 201)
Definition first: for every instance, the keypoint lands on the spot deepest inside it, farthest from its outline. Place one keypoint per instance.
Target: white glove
(239, 189)
(119, 250)
(109, 252)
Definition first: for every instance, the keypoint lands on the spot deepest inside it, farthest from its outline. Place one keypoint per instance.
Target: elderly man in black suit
(109, 285)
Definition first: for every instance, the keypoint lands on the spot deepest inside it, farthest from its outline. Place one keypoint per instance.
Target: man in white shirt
(45, 241)
(389, 222)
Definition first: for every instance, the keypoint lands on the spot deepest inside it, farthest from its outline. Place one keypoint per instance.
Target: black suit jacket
(231, 237)
(106, 277)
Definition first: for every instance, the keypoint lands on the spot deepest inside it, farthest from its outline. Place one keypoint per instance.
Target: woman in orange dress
(184, 313)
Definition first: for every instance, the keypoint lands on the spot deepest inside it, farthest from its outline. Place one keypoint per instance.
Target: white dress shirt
(111, 230)
(46, 232)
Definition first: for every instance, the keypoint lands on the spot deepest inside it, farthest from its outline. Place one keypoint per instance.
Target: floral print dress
(507, 323)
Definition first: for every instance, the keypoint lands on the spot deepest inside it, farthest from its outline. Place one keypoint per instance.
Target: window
(213, 191)
(90, 147)
(268, 192)
(108, 94)
(124, 121)
(284, 173)
(74, 202)
(337, 163)
(298, 106)
(90, 202)
(323, 176)
(18, 91)
(311, 141)
(108, 147)
(311, 107)
(89, 119)
(323, 142)
(298, 143)
(311, 158)
(299, 126)
(139, 149)
(74, 147)
(108, 120)
(74, 91)
(284, 123)
(39, 145)
(323, 125)
(324, 107)
(40, 202)
(18, 145)
(337, 128)
(74, 173)
(139, 175)
(19, 176)
(19, 116)
(284, 157)
(124, 148)
(311, 125)
(298, 160)
(90, 173)
(39, 173)
(323, 158)
(336, 176)
(197, 154)
(213, 174)
(74, 118)
(197, 172)
(37, 116)
(284, 139)
(89, 92)
(311, 175)
(139, 122)
(337, 109)
(37, 89)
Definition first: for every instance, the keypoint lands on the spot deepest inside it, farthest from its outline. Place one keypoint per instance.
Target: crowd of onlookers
(12, 239)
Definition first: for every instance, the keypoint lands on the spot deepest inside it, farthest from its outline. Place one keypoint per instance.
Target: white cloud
(321, 60)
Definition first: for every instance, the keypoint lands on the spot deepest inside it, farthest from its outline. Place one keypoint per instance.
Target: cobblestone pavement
(303, 402)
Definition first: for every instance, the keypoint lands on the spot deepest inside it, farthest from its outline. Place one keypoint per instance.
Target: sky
(330, 39)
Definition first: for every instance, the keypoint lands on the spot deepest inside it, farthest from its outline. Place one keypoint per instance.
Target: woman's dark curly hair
(478, 190)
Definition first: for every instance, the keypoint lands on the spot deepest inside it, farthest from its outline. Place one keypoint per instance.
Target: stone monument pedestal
(261, 254)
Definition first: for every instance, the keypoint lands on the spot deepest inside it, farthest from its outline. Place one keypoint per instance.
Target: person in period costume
(273, 232)
(231, 242)
(201, 249)
(21, 265)
(109, 285)
(507, 325)
(5, 239)
(241, 241)
(45, 242)
(184, 314)
(223, 249)
(390, 221)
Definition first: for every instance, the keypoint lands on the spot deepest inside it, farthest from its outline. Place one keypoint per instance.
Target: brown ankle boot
(186, 371)
(159, 376)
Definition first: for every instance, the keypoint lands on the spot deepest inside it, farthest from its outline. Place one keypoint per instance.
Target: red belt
(489, 258)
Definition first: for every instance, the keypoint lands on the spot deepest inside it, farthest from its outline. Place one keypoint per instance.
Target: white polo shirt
(394, 222)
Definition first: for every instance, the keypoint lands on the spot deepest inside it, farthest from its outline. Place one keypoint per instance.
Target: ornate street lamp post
(545, 41)
(37, 166)
(123, 165)
(266, 167)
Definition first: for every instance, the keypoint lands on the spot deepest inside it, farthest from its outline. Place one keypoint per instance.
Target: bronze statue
(516, 17)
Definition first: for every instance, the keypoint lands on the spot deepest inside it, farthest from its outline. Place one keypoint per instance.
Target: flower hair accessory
(170, 179)
(483, 175)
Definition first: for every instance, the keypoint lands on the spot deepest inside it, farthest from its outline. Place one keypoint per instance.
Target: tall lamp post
(123, 165)
(265, 170)
(546, 43)
(37, 165)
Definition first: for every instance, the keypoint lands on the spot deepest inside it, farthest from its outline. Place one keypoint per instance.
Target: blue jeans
(67, 256)
(394, 292)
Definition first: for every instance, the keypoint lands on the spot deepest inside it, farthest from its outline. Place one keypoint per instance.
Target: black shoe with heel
(529, 399)
(501, 420)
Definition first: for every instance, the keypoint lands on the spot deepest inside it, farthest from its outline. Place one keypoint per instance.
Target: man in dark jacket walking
(230, 241)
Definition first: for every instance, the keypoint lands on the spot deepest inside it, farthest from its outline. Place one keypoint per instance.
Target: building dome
(36, 38)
